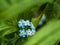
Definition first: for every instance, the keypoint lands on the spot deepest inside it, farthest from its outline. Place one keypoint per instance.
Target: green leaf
(47, 33)
(20, 7)
(35, 21)
(57, 9)
(6, 29)
(52, 39)
(52, 10)
(3, 5)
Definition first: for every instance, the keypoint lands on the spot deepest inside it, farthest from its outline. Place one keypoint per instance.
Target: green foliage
(11, 11)
(52, 10)
(46, 35)
(20, 7)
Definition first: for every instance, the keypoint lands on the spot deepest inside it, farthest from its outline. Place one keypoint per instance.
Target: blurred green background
(11, 11)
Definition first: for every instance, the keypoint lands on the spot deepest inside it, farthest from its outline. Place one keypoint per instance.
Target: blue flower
(29, 32)
(32, 26)
(27, 23)
(22, 33)
(21, 23)
(33, 31)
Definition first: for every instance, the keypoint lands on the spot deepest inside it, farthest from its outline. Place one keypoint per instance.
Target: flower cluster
(26, 28)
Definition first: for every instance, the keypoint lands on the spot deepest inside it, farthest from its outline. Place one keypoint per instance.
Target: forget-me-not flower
(21, 23)
(22, 33)
(26, 28)
(27, 23)
(29, 32)
(33, 31)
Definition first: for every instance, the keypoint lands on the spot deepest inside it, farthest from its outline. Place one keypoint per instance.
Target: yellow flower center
(27, 22)
(28, 32)
(22, 32)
